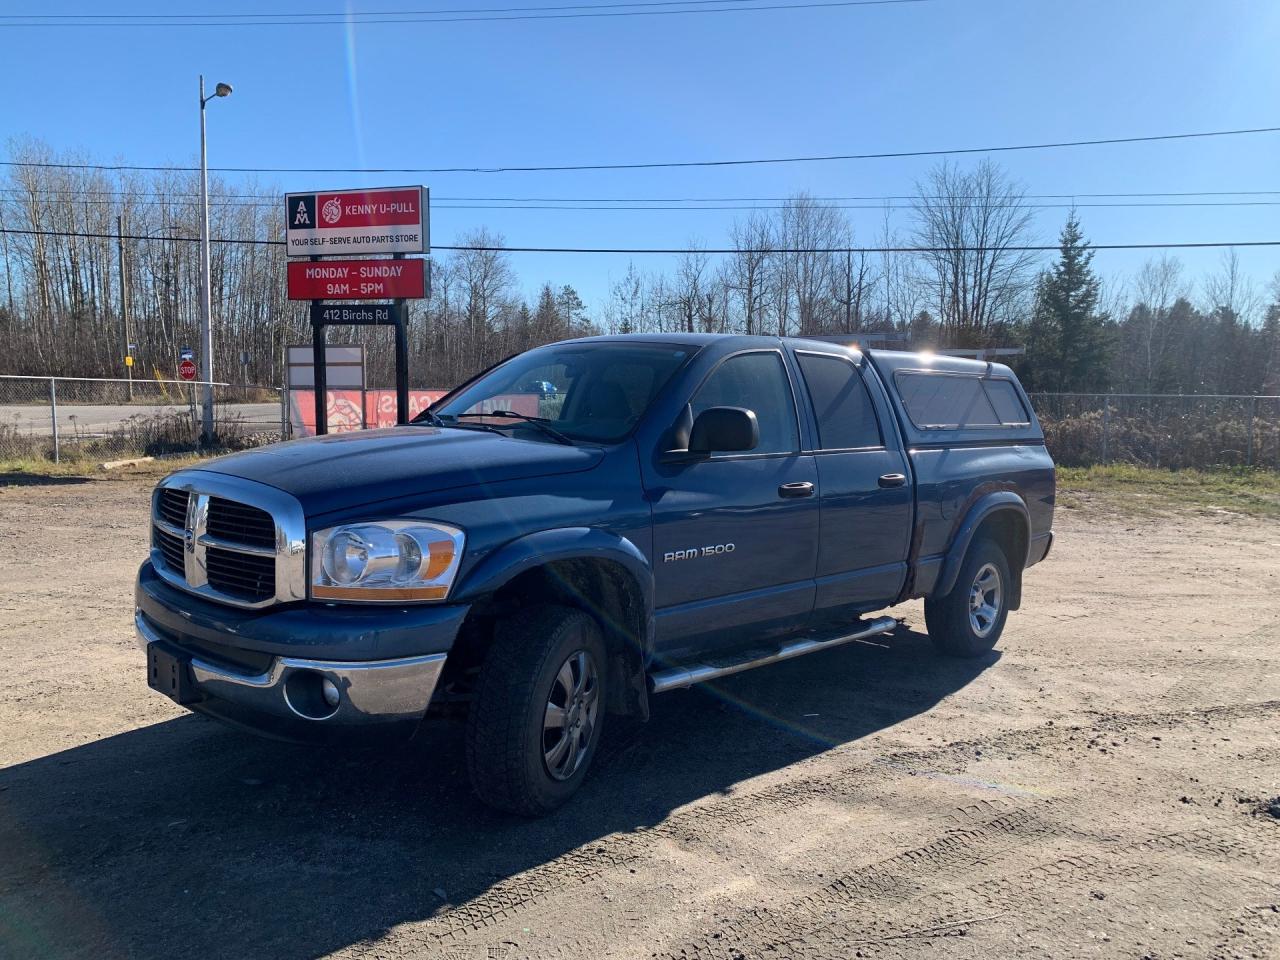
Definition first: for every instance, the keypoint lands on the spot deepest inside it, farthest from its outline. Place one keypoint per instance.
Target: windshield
(585, 391)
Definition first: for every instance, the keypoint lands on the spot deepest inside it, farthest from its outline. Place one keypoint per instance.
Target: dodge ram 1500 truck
(675, 509)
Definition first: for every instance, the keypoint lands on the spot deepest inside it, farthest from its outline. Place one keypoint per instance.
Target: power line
(168, 20)
(299, 14)
(890, 155)
(359, 13)
(531, 208)
(1018, 248)
(263, 201)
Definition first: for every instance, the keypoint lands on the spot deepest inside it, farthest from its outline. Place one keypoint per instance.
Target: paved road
(104, 418)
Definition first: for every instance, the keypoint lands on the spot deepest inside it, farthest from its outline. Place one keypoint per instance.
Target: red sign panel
(357, 279)
(187, 370)
(345, 410)
(370, 208)
(344, 222)
(380, 408)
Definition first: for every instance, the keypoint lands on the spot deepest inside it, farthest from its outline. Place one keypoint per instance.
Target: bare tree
(746, 271)
(852, 284)
(628, 303)
(1229, 289)
(486, 278)
(684, 297)
(973, 224)
(808, 231)
(901, 295)
(1158, 286)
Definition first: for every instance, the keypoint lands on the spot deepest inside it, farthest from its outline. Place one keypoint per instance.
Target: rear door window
(942, 401)
(846, 417)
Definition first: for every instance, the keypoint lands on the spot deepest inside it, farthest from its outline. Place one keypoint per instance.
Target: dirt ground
(1097, 789)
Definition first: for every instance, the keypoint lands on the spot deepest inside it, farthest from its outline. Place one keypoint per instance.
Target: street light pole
(206, 308)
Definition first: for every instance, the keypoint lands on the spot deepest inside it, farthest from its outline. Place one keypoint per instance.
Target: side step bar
(686, 675)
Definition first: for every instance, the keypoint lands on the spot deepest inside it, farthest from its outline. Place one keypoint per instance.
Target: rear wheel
(539, 705)
(968, 621)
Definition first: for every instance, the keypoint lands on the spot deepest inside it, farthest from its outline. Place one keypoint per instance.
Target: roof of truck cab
(887, 361)
(691, 339)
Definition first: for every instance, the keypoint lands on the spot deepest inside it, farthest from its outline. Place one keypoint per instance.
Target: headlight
(391, 561)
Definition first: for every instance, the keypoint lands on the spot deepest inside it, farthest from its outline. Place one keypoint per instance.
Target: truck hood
(345, 470)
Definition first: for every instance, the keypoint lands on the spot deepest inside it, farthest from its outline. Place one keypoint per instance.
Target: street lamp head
(222, 90)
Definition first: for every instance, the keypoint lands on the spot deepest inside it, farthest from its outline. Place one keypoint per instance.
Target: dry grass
(1148, 491)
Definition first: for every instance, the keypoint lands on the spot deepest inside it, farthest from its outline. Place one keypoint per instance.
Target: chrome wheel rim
(984, 600)
(570, 716)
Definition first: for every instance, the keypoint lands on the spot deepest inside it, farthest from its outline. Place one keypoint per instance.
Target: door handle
(893, 480)
(801, 488)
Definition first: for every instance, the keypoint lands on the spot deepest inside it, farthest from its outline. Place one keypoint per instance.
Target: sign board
(186, 353)
(357, 279)
(187, 369)
(344, 222)
(128, 361)
(343, 364)
(355, 314)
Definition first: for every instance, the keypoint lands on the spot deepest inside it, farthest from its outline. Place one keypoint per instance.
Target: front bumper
(378, 691)
(264, 669)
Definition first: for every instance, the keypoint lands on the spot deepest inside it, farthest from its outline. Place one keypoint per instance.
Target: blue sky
(946, 73)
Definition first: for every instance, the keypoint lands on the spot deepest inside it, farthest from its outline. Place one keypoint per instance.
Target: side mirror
(724, 430)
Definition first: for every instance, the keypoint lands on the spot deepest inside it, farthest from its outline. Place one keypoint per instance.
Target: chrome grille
(241, 575)
(240, 523)
(231, 540)
(171, 549)
(171, 505)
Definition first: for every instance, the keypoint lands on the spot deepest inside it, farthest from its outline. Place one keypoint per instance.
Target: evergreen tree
(573, 312)
(1068, 339)
(548, 325)
(1271, 350)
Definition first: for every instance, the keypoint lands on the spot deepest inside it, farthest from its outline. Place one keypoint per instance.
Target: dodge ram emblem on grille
(189, 539)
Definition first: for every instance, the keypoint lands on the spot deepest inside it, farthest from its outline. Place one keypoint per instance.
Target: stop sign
(187, 369)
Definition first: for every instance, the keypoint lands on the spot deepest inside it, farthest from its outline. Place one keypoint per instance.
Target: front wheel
(538, 710)
(968, 621)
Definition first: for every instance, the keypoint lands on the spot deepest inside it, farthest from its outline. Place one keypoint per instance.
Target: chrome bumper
(371, 691)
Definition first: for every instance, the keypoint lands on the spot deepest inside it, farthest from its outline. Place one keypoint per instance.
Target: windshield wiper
(487, 427)
(427, 417)
(540, 423)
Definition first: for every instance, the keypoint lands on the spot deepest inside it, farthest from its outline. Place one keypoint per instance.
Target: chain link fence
(61, 418)
(1161, 430)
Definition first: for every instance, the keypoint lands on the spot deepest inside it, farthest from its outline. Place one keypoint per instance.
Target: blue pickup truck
(683, 507)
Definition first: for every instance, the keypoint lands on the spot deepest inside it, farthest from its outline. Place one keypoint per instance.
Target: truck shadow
(187, 838)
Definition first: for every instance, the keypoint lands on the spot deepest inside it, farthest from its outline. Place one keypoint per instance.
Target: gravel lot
(1098, 789)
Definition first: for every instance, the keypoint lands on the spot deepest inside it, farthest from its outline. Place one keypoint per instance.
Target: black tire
(952, 629)
(507, 736)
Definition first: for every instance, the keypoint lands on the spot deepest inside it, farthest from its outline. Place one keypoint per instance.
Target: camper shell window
(950, 401)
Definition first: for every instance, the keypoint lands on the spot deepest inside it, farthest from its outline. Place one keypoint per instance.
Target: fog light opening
(311, 695)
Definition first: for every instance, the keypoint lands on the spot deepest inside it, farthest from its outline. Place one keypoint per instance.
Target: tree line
(79, 286)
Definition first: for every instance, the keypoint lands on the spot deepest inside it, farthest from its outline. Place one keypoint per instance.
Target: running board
(686, 675)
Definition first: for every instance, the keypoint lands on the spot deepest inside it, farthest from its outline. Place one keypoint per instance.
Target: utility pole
(124, 303)
(206, 308)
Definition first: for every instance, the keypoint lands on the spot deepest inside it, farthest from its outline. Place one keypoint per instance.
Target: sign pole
(124, 304)
(318, 361)
(402, 358)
